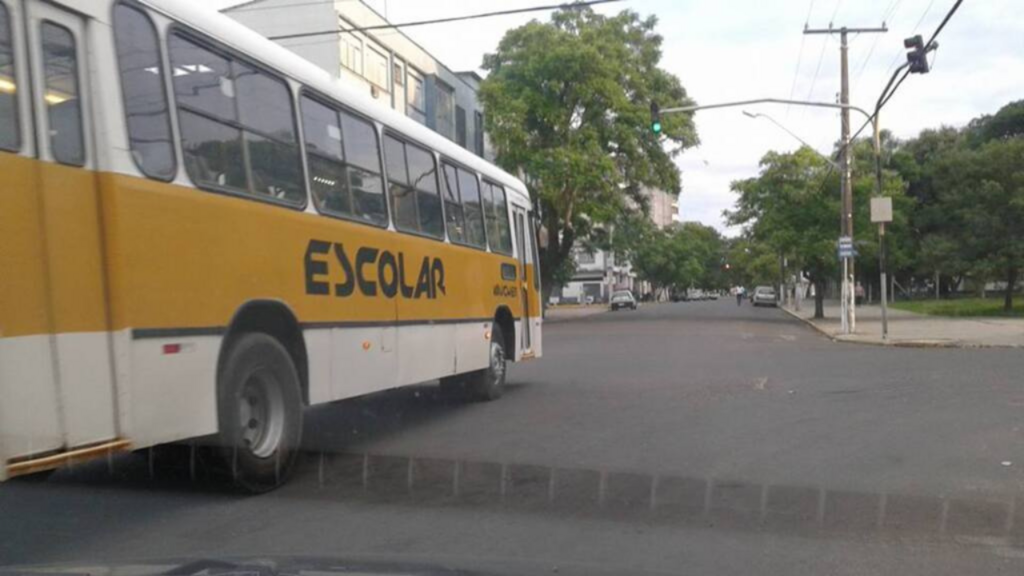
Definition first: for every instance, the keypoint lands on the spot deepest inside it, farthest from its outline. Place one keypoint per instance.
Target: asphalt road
(689, 438)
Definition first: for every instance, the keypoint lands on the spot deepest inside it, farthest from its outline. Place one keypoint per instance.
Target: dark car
(623, 299)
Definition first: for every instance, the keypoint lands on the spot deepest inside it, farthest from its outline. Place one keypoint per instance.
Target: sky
(728, 50)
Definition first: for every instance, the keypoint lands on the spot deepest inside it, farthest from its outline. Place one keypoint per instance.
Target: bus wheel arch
(276, 319)
(504, 321)
(261, 396)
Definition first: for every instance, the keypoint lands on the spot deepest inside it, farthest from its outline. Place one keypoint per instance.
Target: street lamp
(790, 132)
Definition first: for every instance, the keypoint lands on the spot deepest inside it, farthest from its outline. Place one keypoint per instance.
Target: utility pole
(846, 219)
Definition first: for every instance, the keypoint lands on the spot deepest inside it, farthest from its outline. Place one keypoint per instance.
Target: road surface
(693, 438)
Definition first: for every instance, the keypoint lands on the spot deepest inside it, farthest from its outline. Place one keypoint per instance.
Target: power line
(887, 94)
(887, 16)
(821, 56)
(243, 8)
(799, 57)
(564, 6)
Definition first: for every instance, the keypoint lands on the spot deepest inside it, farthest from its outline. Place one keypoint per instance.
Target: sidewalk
(572, 312)
(909, 329)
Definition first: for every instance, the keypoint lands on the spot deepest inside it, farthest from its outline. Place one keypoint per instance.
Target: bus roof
(245, 40)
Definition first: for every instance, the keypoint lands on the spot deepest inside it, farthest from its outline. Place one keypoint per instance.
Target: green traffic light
(656, 127)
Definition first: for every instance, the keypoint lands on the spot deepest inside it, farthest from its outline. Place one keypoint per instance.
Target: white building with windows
(360, 49)
(599, 273)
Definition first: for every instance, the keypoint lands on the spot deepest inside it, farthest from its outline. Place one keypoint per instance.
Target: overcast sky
(725, 50)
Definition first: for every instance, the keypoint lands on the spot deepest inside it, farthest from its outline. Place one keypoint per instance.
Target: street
(696, 437)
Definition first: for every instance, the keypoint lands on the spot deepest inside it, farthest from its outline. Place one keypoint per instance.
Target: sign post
(881, 212)
(846, 252)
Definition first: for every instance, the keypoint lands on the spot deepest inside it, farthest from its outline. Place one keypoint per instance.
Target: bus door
(524, 249)
(70, 236)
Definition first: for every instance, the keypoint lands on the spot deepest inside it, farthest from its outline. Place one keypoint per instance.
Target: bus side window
(412, 177)
(534, 240)
(237, 125)
(63, 109)
(453, 205)
(344, 164)
(499, 233)
(145, 100)
(365, 175)
(9, 126)
(469, 186)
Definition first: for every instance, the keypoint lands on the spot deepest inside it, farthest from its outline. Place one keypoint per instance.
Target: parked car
(623, 299)
(763, 296)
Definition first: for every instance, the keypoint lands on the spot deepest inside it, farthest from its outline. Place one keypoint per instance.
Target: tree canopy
(568, 110)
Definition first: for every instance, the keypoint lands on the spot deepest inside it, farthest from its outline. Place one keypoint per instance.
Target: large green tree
(982, 197)
(792, 208)
(568, 111)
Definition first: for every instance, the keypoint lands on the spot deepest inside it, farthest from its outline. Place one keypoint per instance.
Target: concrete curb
(810, 323)
(894, 343)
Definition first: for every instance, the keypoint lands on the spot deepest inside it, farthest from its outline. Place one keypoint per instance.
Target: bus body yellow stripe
(177, 257)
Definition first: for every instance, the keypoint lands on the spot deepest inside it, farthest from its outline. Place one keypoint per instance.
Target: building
(599, 273)
(384, 62)
(664, 207)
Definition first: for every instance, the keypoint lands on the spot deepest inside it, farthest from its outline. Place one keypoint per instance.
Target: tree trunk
(819, 299)
(1011, 281)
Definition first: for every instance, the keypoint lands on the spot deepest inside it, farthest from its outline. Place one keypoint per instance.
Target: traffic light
(655, 118)
(917, 55)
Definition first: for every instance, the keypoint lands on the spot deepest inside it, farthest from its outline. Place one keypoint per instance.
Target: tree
(981, 191)
(568, 110)
(681, 256)
(792, 207)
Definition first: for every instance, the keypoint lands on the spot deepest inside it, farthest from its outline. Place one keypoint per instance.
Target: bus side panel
(28, 411)
(183, 261)
(78, 298)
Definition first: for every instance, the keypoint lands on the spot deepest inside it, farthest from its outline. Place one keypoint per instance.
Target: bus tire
(489, 384)
(260, 413)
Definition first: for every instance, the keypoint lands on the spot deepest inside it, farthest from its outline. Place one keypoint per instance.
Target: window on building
(416, 106)
(237, 127)
(469, 189)
(344, 165)
(412, 178)
(352, 52)
(460, 126)
(585, 257)
(377, 67)
(478, 133)
(145, 100)
(499, 233)
(444, 112)
(63, 107)
(9, 127)
(397, 74)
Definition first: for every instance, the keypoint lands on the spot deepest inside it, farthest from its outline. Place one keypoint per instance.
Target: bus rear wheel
(259, 412)
(489, 383)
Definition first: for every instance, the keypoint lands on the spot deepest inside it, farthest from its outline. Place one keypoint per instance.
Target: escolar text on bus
(333, 268)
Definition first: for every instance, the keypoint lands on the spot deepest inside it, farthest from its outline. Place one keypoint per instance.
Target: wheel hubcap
(497, 363)
(261, 415)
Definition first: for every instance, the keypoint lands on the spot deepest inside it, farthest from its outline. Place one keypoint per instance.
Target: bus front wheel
(259, 412)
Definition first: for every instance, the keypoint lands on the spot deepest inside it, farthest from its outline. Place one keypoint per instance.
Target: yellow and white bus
(202, 233)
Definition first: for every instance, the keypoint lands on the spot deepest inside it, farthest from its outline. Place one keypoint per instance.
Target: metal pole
(881, 229)
(881, 266)
(844, 99)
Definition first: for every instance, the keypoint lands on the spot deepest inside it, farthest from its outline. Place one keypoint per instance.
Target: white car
(763, 296)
